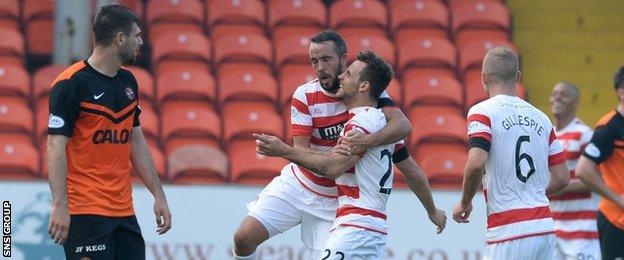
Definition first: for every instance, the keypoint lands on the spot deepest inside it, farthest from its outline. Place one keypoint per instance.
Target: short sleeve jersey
(98, 113)
(606, 149)
(522, 145)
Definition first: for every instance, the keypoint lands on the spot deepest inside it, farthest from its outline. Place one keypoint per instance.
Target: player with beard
(301, 196)
(93, 136)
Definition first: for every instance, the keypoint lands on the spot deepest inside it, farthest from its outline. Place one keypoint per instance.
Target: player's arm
(397, 128)
(303, 142)
(559, 178)
(57, 178)
(419, 185)
(331, 166)
(576, 185)
(144, 165)
(473, 175)
(599, 150)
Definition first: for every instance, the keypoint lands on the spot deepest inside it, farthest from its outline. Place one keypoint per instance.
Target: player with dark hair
(94, 140)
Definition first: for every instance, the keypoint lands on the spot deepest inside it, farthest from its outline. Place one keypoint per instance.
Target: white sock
(249, 257)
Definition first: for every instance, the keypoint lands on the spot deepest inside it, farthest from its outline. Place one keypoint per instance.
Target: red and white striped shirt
(575, 213)
(522, 147)
(320, 115)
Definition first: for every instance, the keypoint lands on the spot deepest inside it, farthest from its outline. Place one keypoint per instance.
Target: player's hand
(439, 219)
(270, 145)
(341, 149)
(461, 213)
(358, 141)
(163, 215)
(58, 226)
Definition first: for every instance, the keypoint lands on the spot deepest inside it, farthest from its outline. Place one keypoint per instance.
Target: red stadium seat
(395, 91)
(239, 12)
(410, 18)
(370, 14)
(11, 43)
(197, 164)
(183, 83)
(32, 9)
(427, 53)
(247, 85)
(443, 163)
(227, 68)
(380, 45)
(433, 123)
(433, 90)
(10, 14)
(454, 3)
(190, 120)
(297, 13)
(249, 167)
(149, 123)
(14, 81)
(163, 28)
(479, 15)
(15, 116)
(293, 48)
(246, 48)
(159, 165)
(288, 138)
(466, 37)
(38, 18)
(135, 5)
(145, 82)
(43, 78)
(475, 92)
(18, 160)
(186, 47)
(220, 30)
(472, 54)
(181, 11)
(41, 117)
(241, 119)
(291, 77)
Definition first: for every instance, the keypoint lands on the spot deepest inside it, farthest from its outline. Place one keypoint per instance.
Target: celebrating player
(573, 208)
(300, 196)
(514, 145)
(364, 181)
(93, 135)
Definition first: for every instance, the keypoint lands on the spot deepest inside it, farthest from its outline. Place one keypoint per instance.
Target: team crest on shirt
(592, 150)
(130, 93)
(55, 121)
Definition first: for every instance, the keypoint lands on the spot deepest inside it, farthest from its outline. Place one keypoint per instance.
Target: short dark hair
(377, 72)
(618, 79)
(331, 36)
(110, 20)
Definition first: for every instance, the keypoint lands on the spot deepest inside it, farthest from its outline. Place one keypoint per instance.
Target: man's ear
(120, 37)
(620, 93)
(364, 86)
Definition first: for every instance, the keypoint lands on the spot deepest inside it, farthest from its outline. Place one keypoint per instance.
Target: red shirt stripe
(520, 237)
(576, 234)
(300, 106)
(480, 118)
(349, 191)
(556, 159)
(571, 136)
(322, 121)
(318, 141)
(574, 215)
(573, 196)
(346, 210)
(298, 130)
(517, 215)
(325, 182)
(552, 136)
(319, 97)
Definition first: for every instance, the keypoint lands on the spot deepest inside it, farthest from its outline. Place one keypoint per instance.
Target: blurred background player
(364, 180)
(94, 133)
(513, 144)
(574, 208)
(605, 155)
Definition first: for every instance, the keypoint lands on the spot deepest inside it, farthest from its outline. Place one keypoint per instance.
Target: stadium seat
(419, 18)
(15, 116)
(189, 120)
(293, 48)
(11, 43)
(296, 12)
(135, 5)
(159, 165)
(247, 85)
(443, 163)
(180, 11)
(175, 49)
(10, 14)
(475, 93)
(18, 160)
(291, 77)
(352, 15)
(183, 83)
(380, 45)
(433, 90)
(243, 48)
(471, 55)
(157, 30)
(41, 116)
(197, 164)
(288, 138)
(428, 53)
(454, 3)
(43, 78)
(466, 37)
(37, 9)
(38, 19)
(149, 124)
(395, 91)
(14, 81)
(480, 15)
(241, 119)
(437, 123)
(249, 167)
(222, 14)
(145, 82)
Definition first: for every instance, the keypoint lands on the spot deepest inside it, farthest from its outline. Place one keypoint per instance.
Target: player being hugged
(364, 181)
(514, 145)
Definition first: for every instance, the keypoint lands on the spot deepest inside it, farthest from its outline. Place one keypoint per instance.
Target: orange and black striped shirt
(98, 113)
(607, 150)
